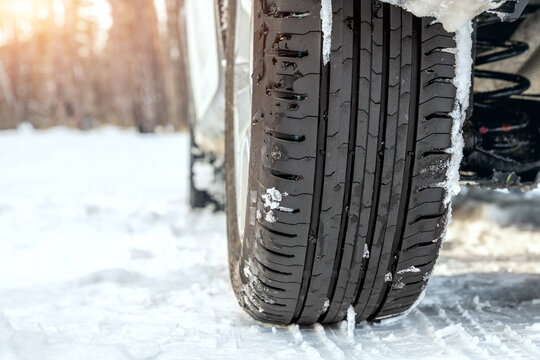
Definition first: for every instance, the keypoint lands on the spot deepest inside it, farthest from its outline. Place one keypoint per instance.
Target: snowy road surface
(100, 258)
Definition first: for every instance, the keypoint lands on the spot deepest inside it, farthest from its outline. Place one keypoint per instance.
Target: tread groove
(351, 154)
(381, 144)
(275, 232)
(317, 189)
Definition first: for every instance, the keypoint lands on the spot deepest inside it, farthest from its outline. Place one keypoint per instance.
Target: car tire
(346, 207)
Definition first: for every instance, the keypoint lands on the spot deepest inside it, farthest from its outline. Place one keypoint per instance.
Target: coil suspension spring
(490, 52)
(499, 119)
(503, 135)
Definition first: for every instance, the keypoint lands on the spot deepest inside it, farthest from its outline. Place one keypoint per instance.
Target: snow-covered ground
(101, 258)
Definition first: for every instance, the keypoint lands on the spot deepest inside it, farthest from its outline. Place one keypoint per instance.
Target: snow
(453, 14)
(412, 269)
(366, 252)
(326, 18)
(101, 258)
(270, 217)
(272, 200)
(462, 81)
(325, 306)
(203, 175)
(351, 322)
(208, 174)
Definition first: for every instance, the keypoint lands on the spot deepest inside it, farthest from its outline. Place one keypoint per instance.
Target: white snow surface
(453, 14)
(203, 175)
(101, 258)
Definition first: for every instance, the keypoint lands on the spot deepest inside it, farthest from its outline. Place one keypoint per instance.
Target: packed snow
(463, 83)
(101, 258)
(327, 20)
(272, 201)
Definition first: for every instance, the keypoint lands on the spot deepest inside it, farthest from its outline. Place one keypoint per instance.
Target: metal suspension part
(503, 136)
(489, 103)
(507, 50)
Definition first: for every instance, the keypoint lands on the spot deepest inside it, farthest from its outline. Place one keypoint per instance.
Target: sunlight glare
(59, 13)
(26, 16)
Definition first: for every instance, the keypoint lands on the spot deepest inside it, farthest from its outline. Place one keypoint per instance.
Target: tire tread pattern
(364, 180)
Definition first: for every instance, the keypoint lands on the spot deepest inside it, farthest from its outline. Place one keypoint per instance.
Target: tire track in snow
(351, 349)
(490, 342)
(525, 343)
(425, 321)
(378, 345)
(458, 336)
(298, 338)
(329, 344)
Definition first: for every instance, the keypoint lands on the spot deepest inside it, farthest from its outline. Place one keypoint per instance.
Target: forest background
(86, 63)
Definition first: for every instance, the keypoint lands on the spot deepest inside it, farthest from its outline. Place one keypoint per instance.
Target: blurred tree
(9, 72)
(135, 53)
(176, 58)
(150, 102)
(63, 62)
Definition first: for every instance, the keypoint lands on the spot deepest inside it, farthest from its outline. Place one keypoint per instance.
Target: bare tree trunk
(74, 76)
(176, 58)
(6, 112)
(9, 83)
(5, 86)
(150, 104)
(120, 62)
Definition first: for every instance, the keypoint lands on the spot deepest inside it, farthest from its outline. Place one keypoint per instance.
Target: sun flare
(22, 18)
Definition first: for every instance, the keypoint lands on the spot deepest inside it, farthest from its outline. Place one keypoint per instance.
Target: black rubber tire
(358, 150)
